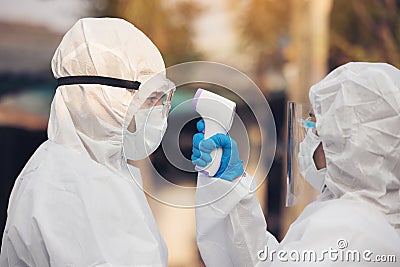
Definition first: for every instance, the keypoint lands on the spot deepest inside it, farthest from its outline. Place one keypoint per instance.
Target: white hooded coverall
(75, 202)
(357, 108)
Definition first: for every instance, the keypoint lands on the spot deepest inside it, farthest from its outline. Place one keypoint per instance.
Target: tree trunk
(308, 56)
(308, 63)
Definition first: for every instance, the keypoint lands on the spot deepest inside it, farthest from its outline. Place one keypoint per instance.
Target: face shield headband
(108, 81)
(114, 82)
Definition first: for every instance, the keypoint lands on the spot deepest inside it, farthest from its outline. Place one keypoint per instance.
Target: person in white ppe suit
(77, 202)
(357, 112)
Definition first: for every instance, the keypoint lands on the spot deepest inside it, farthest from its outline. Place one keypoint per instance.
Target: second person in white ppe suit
(77, 202)
(357, 111)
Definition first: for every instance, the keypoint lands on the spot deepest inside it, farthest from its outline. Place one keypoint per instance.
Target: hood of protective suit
(90, 118)
(357, 107)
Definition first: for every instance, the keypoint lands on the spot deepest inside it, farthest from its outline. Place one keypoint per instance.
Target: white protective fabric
(307, 167)
(357, 108)
(151, 127)
(75, 202)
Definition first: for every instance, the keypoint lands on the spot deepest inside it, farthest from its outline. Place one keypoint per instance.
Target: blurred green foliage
(169, 24)
(261, 23)
(365, 31)
(263, 28)
(359, 30)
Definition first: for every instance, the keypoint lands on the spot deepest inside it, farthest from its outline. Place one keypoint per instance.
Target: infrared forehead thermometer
(217, 113)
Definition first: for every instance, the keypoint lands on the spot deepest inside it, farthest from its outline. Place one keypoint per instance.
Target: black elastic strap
(133, 85)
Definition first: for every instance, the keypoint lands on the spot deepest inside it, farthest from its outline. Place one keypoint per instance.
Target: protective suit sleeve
(231, 227)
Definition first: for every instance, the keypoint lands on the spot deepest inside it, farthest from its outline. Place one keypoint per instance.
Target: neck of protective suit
(91, 118)
(357, 108)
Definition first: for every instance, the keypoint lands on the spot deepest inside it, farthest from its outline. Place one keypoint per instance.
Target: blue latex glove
(231, 165)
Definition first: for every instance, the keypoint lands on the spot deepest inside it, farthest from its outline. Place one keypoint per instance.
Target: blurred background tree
(262, 28)
(169, 24)
(365, 31)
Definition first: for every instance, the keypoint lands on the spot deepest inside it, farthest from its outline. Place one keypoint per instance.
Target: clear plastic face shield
(302, 143)
(146, 117)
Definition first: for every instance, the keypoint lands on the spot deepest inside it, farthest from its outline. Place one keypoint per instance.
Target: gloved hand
(231, 165)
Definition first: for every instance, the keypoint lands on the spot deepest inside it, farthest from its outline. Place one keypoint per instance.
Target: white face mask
(150, 128)
(306, 161)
